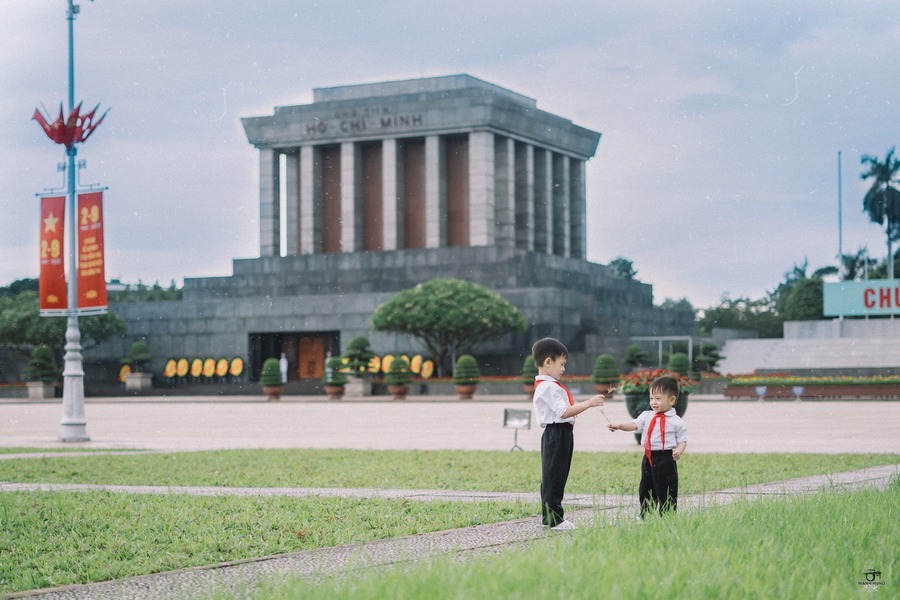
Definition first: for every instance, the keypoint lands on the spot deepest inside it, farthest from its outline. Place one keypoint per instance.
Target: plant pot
(358, 387)
(465, 391)
(38, 390)
(398, 392)
(638, 402)
(139, 381)
(273, 392)
(335, 392)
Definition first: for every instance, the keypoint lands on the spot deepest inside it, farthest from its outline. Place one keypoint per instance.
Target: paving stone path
(233, 578)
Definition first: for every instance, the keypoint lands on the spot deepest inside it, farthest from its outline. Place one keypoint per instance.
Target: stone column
(562, 219)
(577, 195)
(292, 204)
(435, 193)
(310, 189)
(269, 203)
(481, 189)
(524, 196)
(351, 199)
(543, 201)
(504, 192)
(392, 216)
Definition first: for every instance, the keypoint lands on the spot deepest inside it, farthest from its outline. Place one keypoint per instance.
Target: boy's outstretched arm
(626, 426)
(580, 407)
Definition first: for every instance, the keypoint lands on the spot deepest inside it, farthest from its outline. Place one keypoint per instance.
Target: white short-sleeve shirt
(550, 401)
(676, 430)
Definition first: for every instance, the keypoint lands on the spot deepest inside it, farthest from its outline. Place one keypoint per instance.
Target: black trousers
(557, 445)
(659, 483)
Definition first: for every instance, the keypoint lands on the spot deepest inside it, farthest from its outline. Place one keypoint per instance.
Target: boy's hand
(613, 427)
(676, 454)
(596, 400)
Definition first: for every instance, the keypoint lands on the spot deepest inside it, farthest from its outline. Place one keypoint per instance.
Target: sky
(721, 121)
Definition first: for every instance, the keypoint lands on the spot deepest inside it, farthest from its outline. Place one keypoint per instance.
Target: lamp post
(74, 422)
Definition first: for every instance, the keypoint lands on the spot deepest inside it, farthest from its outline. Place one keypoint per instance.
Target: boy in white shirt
(664, 438)
(555, 411)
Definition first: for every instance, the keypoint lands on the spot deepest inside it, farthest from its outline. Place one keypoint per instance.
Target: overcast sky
(716, 173)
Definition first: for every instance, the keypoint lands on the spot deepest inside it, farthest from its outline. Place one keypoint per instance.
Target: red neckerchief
(662, 434)
(565, 389)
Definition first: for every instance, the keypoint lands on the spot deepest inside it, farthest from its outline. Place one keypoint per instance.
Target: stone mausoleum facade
(373, 188)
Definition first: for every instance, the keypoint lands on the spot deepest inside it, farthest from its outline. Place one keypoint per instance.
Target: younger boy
(664, 437)
(555, 411)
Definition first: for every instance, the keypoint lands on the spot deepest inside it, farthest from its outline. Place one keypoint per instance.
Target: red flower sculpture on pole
(74, 130)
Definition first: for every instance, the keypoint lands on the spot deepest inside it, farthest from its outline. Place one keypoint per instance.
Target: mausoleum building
(373, 188)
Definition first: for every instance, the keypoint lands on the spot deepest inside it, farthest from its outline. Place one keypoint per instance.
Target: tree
(449, 316)
(683, 305)
(856, 266)
(622, 268)
(804, 301)
(22, 328)
(882, 201)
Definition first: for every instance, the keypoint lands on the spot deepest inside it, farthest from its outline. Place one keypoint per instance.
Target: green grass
(816, 546)
(32, 450)
(592, 473)
(52, 539)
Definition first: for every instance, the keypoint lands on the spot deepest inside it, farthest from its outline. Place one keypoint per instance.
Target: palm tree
(882, 201)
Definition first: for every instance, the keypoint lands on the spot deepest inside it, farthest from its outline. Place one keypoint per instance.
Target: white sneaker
(564, 525)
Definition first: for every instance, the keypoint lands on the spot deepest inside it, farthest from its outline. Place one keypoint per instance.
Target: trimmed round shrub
(398, 373)
(270, 375)
(529, 370)
(679, 363)
(333, 373)
(42, 366)
(605, 369)
(466, 371)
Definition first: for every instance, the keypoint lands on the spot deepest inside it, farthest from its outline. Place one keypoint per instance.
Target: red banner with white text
(91, 268)
(52, 281)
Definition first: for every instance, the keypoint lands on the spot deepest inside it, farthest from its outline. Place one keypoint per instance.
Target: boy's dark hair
(667, 386)
(548, 348)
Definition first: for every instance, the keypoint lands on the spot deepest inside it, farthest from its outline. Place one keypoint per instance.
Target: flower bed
(829, 390)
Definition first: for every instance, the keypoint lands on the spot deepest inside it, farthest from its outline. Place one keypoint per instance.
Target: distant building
(392, 184)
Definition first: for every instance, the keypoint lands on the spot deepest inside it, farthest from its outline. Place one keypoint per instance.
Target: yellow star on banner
(50, 223)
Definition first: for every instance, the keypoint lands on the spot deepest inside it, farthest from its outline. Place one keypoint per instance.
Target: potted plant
(635, 356)
(529, 372)
(139, 358)
(270, 379)
(358, 355)
(605, 374)
(636, 387)
(334, 379)
(42, 373)
(466, 376)
(398, 377)
(679, 363)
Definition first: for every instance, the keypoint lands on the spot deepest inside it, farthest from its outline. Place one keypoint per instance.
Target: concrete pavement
(204, 423)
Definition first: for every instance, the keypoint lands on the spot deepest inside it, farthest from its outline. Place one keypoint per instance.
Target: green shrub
(635, 356)
(42, 366)
(358, 354)
(466, 371)
(333, 373)
(679, 363)
(139, 356)
(605, 370)
(271, 373)
(398, 373)
(529, 370)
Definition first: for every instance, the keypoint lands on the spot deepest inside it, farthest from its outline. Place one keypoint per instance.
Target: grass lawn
(51, 539)
(592, 473)
(819, 546)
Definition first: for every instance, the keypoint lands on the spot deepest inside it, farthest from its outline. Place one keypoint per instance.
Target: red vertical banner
(52, 282)
(91, 270)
